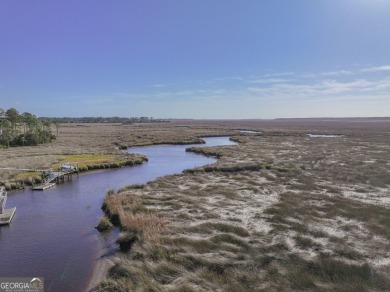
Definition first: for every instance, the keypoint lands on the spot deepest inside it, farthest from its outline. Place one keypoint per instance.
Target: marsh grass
(224, 255)
(338, 274)
(221, 227)
(279, 212)
(305, 242)
(87, 162)
(84, 162)
(147, 226)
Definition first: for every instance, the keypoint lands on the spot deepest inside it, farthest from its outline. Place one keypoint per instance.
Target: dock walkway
(43, 186)
(6, 215)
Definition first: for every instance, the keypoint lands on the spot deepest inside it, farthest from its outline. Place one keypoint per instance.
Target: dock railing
(3, 199)
(51, 177)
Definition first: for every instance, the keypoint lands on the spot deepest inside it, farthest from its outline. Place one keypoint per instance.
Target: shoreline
(104, 259)
(100, 272)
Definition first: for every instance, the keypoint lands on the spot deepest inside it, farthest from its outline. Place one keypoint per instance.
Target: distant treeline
(23, 129)
(105, 120)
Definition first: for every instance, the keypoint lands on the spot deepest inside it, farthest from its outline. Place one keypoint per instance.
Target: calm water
(52, 234)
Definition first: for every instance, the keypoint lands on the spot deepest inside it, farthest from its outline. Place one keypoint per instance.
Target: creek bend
(53, 232)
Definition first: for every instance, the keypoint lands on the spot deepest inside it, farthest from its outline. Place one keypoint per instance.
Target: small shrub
(104, 224)
(126, 240)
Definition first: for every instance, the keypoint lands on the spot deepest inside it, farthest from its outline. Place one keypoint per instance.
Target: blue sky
(196, 59)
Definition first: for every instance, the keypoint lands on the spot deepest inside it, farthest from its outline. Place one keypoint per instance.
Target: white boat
(68, 167)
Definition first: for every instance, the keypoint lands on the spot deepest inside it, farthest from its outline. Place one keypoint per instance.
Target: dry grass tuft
(148, 226)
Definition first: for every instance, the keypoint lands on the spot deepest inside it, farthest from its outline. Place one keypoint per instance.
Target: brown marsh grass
(281, 211)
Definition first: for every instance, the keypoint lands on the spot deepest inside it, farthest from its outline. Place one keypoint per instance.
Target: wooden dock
(53, 177)
(7, 215)
(44, 186)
